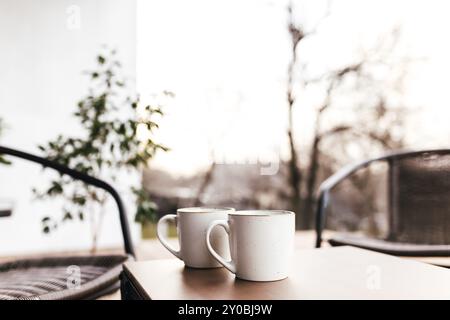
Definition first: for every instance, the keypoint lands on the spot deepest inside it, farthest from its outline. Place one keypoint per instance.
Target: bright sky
(226, 62)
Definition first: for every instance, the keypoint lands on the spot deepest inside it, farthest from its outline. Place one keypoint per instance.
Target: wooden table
(329, 273)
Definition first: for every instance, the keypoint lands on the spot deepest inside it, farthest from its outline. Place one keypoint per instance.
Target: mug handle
(224, 224)
(163, 220)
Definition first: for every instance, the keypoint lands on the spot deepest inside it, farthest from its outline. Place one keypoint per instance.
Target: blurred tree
(378, 117)
(295, 173)
(110, 122)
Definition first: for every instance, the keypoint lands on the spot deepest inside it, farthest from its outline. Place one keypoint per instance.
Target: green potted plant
(110, 119)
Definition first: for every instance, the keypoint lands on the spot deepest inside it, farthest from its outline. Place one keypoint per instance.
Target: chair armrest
(86, 179)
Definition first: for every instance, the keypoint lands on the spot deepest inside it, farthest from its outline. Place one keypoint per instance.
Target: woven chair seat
(50, 278)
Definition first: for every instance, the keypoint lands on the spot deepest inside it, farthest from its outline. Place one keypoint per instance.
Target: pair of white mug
(260, 241)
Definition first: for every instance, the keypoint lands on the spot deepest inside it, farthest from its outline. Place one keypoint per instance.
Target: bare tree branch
(338, 129)
(320, 21)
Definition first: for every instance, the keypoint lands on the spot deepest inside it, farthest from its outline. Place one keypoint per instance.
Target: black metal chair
(51, 278)
(397, 204)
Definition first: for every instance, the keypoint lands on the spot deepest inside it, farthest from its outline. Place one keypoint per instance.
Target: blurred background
(251, 104)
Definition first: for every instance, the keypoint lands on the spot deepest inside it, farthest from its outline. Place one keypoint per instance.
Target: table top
(329, 273)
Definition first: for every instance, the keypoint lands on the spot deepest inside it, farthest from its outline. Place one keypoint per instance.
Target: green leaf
(79, 200)
(4, 161)
(67, 216)
(101, 59)
(55, 189)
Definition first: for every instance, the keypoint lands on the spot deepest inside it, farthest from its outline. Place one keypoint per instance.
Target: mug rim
(262, 213)
(203, 210)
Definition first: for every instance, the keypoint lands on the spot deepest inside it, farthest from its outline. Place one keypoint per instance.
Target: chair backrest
(419, 199)
(403, 197)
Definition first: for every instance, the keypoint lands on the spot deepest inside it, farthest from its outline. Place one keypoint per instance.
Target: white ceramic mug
(192, 224)
(261, 242)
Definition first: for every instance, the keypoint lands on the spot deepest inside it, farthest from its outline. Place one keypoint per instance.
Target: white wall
(43, 52)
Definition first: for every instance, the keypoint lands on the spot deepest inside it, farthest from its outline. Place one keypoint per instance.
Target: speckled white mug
(192, 224)
(261, 243)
